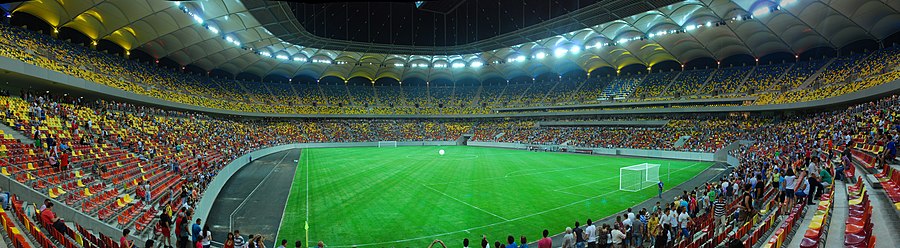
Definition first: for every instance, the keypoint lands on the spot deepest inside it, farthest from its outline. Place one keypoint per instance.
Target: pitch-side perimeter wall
(698, 156)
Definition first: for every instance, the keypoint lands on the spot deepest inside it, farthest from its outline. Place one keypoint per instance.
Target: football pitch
(409, 196)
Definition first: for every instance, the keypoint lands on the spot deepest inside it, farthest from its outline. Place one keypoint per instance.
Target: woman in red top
(123, 241)
(229, 241)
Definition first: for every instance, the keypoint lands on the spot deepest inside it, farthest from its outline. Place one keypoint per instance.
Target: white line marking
(288, 198)
(466, 203)
(307, 192)
(231, 217)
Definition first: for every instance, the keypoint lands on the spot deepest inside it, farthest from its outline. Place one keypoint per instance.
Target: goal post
(637, 177)
(387, 143)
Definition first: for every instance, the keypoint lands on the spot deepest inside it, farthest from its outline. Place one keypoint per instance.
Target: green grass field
(409, 196)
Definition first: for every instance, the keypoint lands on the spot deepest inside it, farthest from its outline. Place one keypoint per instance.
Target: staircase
(7, 130)
(784, 74)
(814, 76)
(669, 85)
(546, 98)
(681, 140)
(477, 98)
(743, 81)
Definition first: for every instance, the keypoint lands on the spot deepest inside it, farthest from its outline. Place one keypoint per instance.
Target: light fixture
(458, 65)
(575, 49)
(282, 57)
(559, 52)
(214, 30)
(477, 63)
(761, 11)
(785, 3)
(197, 18)
(540, 55)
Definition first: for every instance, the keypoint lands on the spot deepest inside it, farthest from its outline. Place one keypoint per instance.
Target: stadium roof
(263, 37)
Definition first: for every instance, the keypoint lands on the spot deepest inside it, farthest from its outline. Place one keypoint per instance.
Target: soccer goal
(387, 143)
(637, 177)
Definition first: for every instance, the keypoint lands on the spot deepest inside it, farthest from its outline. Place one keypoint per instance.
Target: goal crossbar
(387, 143)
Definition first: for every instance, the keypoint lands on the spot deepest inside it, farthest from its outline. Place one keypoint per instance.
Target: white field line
(466, 203)
(288, 198)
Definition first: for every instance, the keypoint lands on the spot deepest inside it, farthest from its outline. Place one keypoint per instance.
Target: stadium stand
(357, 99)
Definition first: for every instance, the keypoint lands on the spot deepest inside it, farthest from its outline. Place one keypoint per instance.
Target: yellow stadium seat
(78, 174)
(80, 184)
(5, 172)
(87, 192)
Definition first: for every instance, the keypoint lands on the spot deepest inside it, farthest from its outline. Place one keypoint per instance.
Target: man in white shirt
(684, 218)
(617, 236)
(664, 217)
(673, 219)
(725, 188)
(591, 232)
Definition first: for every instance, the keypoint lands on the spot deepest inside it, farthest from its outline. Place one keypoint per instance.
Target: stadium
(464, 123)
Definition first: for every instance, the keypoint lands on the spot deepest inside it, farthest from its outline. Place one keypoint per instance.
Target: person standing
(660, 186)
(123, 241)
(591, 233)
(617, 237)
(511, 242)
(165, 225)
(637, 233)
(719, 211)
(184, 233)
(206, 237)
(239, 241)
(196, 231)
(545, 242)
(229, 241)
(568, 239)
(683, 219)
(579, 235)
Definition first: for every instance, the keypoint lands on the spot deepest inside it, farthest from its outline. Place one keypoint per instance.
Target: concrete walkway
(885, 218)
(839, 216)
(804, 225)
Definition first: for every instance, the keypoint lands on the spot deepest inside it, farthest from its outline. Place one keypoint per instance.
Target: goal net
(637, 177)
(387, 143)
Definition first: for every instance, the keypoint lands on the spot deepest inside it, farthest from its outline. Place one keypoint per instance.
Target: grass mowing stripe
(373, 196)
